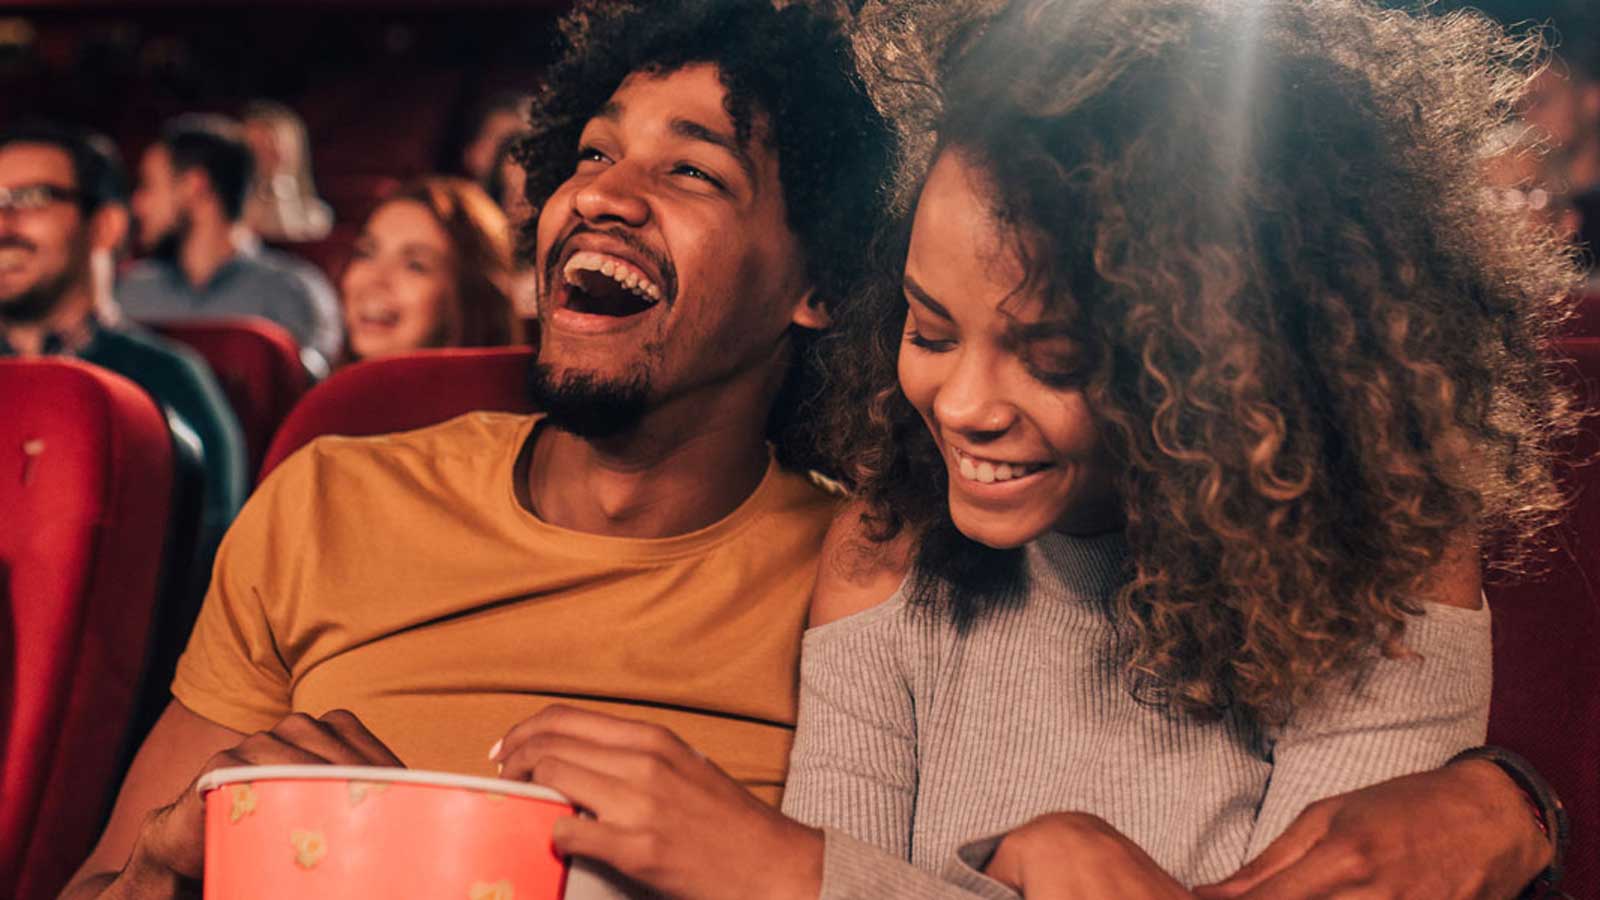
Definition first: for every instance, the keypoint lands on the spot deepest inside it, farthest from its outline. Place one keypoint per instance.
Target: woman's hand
(1076, 856)
(663, 814)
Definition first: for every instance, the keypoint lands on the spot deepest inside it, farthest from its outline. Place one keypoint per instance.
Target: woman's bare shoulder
(856, 572)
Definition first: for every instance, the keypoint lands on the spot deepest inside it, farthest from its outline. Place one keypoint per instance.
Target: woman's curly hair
(1319, 347)
(789, 70)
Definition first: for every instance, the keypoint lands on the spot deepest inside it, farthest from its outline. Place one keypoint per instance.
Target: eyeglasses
(34, 197)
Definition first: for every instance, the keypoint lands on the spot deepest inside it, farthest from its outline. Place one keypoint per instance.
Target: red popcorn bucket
(315, 832)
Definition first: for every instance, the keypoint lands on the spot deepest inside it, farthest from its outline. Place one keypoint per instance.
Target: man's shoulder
(145, 277)
(260, 269)
(304, 273)
(453, 454)
(144, 353)
(288, 262)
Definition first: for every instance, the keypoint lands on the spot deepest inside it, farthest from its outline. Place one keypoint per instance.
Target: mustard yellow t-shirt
(398, 577)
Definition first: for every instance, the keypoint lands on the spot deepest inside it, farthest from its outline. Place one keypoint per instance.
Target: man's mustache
(17, 242)
(669, 275)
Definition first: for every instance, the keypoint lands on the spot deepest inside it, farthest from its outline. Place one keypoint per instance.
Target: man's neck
(671, 475)
(209, 244)
(71, 314)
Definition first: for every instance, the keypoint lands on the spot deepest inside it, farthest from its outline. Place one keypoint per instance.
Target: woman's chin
(995, 531)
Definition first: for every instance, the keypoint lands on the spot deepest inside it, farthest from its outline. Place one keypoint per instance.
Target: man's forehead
(694, 92)
(25, 162)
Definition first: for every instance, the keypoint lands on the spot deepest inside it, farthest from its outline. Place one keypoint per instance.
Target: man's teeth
(988, 472)
(620, 272)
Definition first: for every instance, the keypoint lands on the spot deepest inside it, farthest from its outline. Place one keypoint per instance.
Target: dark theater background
(388, 90)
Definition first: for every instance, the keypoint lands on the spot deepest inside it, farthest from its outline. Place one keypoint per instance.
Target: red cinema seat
(1546, 703)
(258, 364)
(86, 479)
(405, 392)
(331, 253)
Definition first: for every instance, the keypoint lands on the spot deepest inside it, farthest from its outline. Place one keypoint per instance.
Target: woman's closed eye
(931, 344)
(1064, 377)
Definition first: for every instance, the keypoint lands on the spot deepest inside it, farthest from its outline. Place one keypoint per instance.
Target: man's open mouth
(599, 284)
(12, 257)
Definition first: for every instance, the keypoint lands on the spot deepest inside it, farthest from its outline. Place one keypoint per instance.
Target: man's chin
(30, 304)
(589, 404)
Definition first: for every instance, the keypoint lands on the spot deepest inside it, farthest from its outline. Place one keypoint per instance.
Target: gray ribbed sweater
(916, 748)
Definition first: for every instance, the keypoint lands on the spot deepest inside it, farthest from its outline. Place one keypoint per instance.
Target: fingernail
(499, 768)
(495, 750)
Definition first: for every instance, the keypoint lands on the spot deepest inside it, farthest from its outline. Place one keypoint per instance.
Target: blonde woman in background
(283, 204)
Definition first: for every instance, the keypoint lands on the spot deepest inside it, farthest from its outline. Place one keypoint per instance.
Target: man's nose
(615, 196)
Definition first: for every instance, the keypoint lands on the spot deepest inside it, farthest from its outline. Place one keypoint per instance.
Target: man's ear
(108, 228)
(812, 313)
(192, 185)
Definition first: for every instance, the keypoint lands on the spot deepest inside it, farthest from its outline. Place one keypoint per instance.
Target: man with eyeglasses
(63, 216)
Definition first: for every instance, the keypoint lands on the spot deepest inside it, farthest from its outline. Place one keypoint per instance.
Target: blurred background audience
(431, 269)
(283, 203)
(507, 184)
(502, 116)
(202, 260)
(63, 219)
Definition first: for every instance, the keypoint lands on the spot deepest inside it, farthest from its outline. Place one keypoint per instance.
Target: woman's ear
(812, 312)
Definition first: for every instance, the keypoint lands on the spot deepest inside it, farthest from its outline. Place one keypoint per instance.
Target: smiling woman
(431, 269)
(1205, 374)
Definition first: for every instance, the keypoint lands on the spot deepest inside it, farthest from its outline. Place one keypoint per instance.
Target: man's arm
(154, 845)
(1462, 831)
(177, 748)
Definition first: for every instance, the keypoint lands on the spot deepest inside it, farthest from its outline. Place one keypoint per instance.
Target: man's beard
(169, 243)
(584, 405)
(37, 301)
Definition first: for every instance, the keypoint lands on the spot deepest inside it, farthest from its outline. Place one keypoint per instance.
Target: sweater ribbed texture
(916, 747)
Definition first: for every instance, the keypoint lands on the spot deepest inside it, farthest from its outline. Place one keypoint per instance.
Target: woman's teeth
(988, 472)
(383, 318)
(620, 272)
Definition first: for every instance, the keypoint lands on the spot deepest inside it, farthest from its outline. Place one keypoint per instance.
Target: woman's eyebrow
(421, 250)
(925, 299)
(1045, 330)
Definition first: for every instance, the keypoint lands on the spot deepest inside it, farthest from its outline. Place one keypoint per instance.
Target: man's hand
(170, 849)
(664, 815)
(1460, 832)
(1076, 856)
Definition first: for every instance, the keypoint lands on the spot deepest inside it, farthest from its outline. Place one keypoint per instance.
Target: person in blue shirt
(202, 261)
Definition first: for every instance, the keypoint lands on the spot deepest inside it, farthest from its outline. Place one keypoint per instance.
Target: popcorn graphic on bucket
(318, 832)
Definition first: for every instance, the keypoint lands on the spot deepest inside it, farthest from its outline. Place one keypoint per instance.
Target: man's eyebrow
(694, 131)
(926, 299)
(611, 112)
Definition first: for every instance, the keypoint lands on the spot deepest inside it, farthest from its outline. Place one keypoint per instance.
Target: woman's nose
(972, 402)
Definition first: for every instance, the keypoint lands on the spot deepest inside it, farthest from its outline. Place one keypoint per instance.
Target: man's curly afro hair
(788, 69)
